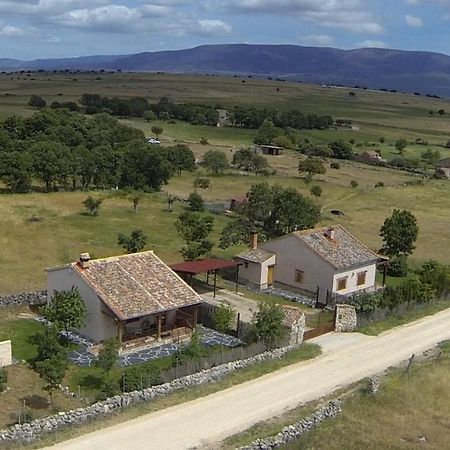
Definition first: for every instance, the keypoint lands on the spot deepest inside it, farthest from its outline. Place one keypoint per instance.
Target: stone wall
(25, 298)
(5, 354)
(32, 430)
(346, 318)
(292, 432)
(297, 331)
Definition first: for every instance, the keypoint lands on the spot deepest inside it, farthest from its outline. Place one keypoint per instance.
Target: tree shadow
(35, 401)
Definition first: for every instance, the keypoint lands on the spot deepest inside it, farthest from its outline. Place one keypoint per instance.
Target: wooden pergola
(208, 266)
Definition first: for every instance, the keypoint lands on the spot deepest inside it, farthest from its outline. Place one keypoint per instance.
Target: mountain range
(409, 71)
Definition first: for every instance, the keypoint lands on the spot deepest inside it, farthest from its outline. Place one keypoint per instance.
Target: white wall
(5, 353)
(352, 279)
(98, 326)
(293, 255)
(256, 273)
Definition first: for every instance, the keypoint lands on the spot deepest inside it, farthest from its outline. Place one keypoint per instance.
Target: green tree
(223, 317)
(107, 356)
(215, 161)
(267, 133)
(268, 324)
(133, 243)
(194, 229)
(157, 131)
(399, 233)
(316, 190)
(431, 156)
(3, 379)
(52, 372)
(202, 183)
(246, 159)
(36, 101)
(135, 196)
(149, 115)
(181, 157)
(66, 310)
(16, 170)
(354, 184)
(195, 202)
(92, 205)
(311, 166)
(441, 112)
(400, 145)
(341, 149)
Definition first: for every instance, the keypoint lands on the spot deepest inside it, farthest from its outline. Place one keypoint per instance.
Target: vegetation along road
(203, 422)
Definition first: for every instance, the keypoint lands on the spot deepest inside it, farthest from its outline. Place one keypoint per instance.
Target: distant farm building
(443, 167)
(273, 150)
(370, 156)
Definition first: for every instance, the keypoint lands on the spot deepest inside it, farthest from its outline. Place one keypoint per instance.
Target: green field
(62, 231)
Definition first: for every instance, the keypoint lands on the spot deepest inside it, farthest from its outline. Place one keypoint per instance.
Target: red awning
(203, 265)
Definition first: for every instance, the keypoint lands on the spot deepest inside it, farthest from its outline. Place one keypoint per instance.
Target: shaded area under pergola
(191, 268)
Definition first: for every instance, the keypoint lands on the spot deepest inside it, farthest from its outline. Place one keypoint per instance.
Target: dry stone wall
(346, 318)
(31, 431)
(25, 298)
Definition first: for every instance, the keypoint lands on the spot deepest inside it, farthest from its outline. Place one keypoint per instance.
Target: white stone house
(130, 297)
(323, 261)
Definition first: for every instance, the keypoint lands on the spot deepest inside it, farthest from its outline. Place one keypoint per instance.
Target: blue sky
(32, 29)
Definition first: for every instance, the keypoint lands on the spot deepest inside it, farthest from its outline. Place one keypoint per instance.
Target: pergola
(192, 268)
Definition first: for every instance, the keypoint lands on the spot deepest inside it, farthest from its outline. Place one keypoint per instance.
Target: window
(361, 278)
(342, 284)
(299, 274)
(246, 265)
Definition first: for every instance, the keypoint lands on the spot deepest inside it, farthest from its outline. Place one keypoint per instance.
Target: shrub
(335, 165)
(196, 202)
(140, 376)
(316, 190)
(202, 183)
(3, 379)
(436, 275)
(380, 184)
(108, 389)
(37, 101)
(354, 184)
(366, 302)
(398, 266)
(23, 416)
(204, 141)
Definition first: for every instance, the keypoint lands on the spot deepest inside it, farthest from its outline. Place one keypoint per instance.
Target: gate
(320, 323)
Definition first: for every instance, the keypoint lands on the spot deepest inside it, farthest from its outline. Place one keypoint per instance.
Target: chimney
(253, 240)
(85, 260)
(331, 233)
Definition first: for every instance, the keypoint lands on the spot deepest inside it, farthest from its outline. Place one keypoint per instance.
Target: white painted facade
(5, 353)
(256, 273)
(351, 277)
(100, 323)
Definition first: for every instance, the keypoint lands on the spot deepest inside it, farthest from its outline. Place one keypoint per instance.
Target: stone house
(323, 262)
(442, 167)
(131, 297)
(370, 156)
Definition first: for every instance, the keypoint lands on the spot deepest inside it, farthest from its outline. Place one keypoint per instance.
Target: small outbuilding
(442, 168)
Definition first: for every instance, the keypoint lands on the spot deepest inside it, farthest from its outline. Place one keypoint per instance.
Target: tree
(316, 190)
(52, 372)
(400, 145)
(133, 243)
(431, 156)
(354, 184)
(311, 166)
(36, 101)
(441, 112)
(268, 324)
(341, 149)
(107, 356)
(194, 229)
(195, 202)
(181, 157)
(149, 115)
(223, 317)
(92, 205)
(215, 161)
(135, 197)
(247, 160)
(399, 233)
(66, 310)
(157, 131)
(202, 183)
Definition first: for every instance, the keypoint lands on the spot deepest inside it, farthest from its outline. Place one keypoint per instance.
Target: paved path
(205, 421)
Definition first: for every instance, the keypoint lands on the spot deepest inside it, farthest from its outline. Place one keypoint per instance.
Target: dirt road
(346, 358)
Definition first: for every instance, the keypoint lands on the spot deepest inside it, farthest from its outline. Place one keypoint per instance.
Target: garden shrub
(398, 266)
(139, 376)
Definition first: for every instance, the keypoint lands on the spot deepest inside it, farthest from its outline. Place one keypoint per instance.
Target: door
(270, 272)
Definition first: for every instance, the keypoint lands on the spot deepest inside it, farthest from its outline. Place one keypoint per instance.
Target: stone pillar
(346, 318)
(296, 332)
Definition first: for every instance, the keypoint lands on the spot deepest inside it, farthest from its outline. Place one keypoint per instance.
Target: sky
(31, 29)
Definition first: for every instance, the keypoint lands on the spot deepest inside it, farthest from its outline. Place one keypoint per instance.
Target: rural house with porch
(136, 298)
(324, 263)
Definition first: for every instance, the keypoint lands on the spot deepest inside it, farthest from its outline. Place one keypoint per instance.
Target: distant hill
(410, 71)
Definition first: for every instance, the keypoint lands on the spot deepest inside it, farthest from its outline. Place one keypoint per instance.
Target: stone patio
(84, 358)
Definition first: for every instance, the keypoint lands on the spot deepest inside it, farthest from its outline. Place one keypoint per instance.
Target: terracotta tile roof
(137, 285)
(341, 252)
(291, 315)
(257, 255)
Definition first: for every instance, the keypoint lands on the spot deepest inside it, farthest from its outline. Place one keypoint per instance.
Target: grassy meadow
(39, 230)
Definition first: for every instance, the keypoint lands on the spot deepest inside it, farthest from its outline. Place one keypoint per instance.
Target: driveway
(204, 422)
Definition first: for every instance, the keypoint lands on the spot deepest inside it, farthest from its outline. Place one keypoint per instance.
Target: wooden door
(270, 272)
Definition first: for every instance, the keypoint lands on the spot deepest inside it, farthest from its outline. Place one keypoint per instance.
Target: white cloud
(413, 21)
(214, 27)
(10, 30)
(320, 40)
(371, 44)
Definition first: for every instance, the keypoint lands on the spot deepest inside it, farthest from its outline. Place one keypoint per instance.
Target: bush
(3, 378)
(196, 202)
(354, 184)
(23, 416)
(37, 101)
(204, 141)
(380, 184)
(140, 376)
(335, 165)
(316, 190)
(108, 389)
(398, 266)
